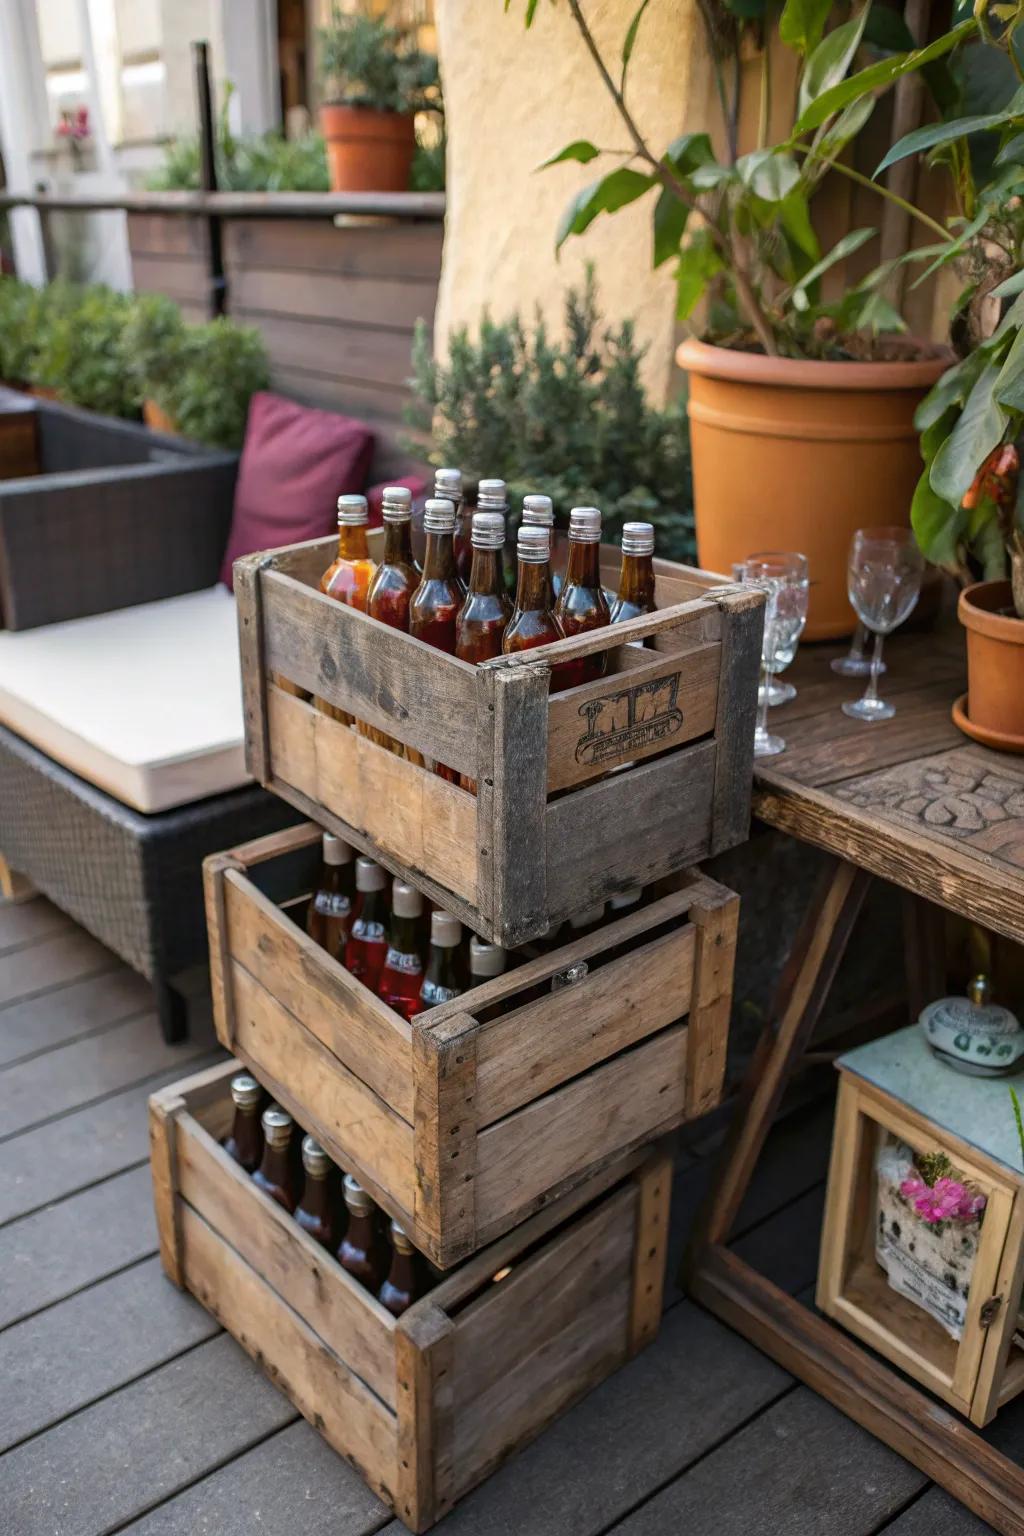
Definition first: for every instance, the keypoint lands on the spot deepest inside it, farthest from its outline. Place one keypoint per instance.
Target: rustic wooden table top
(910, 799)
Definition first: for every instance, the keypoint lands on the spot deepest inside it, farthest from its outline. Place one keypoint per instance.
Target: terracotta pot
(43, 392)
(156, 417)
(797, 455)
(368, 151)
(992, 711)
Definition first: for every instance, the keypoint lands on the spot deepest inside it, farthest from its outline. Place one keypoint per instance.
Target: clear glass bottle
(404, 1283)
(360, 1251)
(329, 915)
(636, 577)
(533, 620)
(314, 1212)
(274, 1175)
(582, 605)
(402, 976)
(368, 937)
(347, 579)
(244, 1142)
(444, 978)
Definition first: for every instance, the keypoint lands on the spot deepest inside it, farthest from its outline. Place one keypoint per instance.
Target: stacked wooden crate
(515, 1128)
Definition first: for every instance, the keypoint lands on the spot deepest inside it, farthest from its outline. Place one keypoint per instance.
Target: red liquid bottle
(636, 578)
(444, 979)
(329, 915)
(404, 1283)
(402, 976)
(582, 605)
(539, 512)
(360, 1250)
(448, 487)
(274, 1175)
(484, 615)
(368, 937)
(348, 578)
(533, 621)
(435, 605)
(245, 1141)
(314, 1212)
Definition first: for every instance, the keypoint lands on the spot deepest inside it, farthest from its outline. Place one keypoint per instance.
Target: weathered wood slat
(53, 962)
(154, 234)
(58, 1017)
(378, 406)
(179, 277)
(742, 629)
(378, 251)
(396, 303)
(30, 921)
(349, 353)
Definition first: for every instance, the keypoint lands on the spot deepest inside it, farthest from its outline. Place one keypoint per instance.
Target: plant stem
(744, 287)
(875, 186)
(765, 103)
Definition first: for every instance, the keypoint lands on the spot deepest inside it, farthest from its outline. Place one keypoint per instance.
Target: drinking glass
(785, 614)
(855, 663)
(793, 571)
(883, 580)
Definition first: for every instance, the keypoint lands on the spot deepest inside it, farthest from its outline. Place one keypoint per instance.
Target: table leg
(924, 947)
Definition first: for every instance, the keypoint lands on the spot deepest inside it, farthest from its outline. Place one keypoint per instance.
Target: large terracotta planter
(157, 418)
(368, 151)
(796, 455)
(993, 709)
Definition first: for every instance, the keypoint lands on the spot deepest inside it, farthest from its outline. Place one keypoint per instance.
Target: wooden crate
(551, 830)
(984, 1369)
(425, 1407)
(486, 1107)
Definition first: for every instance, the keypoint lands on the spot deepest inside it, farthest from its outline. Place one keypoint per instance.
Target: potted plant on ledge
(376, 80)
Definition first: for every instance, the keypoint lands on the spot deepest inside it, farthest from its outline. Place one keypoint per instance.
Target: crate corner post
(424, 1366)
(715, 916)
(444, 1064)
(249, 601)
(215, 866)
(654, 1198)
(517, 846)
(164, 1108)
(742, 618)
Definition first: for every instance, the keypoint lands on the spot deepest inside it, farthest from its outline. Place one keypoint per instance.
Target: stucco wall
(513, 98)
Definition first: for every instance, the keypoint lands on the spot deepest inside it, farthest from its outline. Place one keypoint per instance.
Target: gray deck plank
(39, 1023)
(785, 1248)
(114, 1461)
(800, 1469)
(53, 962)
(56, 1362)
(60, 1249)
(937, 1513)
(55, 1160)
(71, 1075)
(291, 1485)
(27, 921)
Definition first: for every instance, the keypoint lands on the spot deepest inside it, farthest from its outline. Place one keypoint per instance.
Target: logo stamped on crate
(626, 721)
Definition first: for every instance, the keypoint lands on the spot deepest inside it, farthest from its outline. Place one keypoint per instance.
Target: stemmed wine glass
(883, 580)
(785, 614)
(855, 663)
(793, 571)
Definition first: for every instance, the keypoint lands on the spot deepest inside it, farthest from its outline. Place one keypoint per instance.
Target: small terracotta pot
(368, 151)
(796, 455)
(993, 708)
(43, 392)
(156, 417)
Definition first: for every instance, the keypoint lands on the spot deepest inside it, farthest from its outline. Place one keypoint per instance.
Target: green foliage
(1019, 1121)
(151, 342)
(366, 62)
(217, 368)
(20, 311)
(78, 348)
(258, 163)
(569, 418)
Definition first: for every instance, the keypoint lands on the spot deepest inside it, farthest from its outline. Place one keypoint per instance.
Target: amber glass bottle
(397, 577)
(329, 915)
(448, 487)
(274, 1175)
(485, 613)
(368, 937)
(404, 1283)
(636, 578)
(582, 605)
(539, 512)
(348, 578)
(314, 1212)
(434, 606)
(360, 1250)
(533, 620)
(245, 1142)
(402, 976)
(444, 978)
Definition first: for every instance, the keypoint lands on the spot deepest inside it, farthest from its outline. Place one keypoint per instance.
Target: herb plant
(367, 62)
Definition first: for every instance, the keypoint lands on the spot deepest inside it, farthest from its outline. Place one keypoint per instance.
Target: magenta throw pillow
(296, 462)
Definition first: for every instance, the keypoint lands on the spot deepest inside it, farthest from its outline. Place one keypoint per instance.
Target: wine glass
(883, 580)
(793, 571)
(785, 612)
(855, 663)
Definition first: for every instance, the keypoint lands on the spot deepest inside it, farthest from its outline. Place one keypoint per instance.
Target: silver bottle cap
(534, 543)
(314, 1159)
(396, 504)
(486, 959)
(399, 1240)
(406, 900)
(588, 918)
(625, 899)
(370, 876)
(277, 1126)
(492, 496)
(488, 530)
(439, 515)
(356, 1198)
(585, 525)
(445, 929)
(539, 510)
(352, 511)
(448, 482)
(638, 538)
(245, 1091)
(335, 850)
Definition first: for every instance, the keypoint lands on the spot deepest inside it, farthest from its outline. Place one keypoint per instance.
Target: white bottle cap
(585, 525)
(369, 875)
(492, 495)
(406, 900)
(488, 530)
(335, 850)
(638, 538)
(396, 504)
(534, 543)
(539, 510)
(486, 959)
(352, 511)
(445, 929)
(439, 515)
(625, 899)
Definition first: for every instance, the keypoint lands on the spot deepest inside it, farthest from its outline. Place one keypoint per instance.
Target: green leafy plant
(1019, 1121)
(151, 342)
(570, 418)
(367, 62)
(217, 369)
(78, 348)
(20, 315)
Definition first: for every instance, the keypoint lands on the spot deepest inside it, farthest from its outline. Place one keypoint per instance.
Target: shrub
(568, 418)
(20, 311)
(218, 367)
(77, 348)
(151, 342)
(365, 62)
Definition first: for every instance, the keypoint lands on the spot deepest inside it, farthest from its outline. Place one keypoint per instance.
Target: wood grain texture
(327, 296)
(164, 1110)
(214, 897)
(513, 846)
(248, 591)
(424, 1361)
(317, 245)
(716, 920)
(445, 1121)
(654, 1198)
(742, 627)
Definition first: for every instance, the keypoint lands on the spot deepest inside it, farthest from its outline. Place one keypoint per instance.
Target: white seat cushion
(145, 703)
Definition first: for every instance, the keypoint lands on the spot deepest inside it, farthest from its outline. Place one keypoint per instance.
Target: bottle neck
(360, 1233)
(315, 1197)
(584, 566)
(274, 1168)
(487, 575)
(442, 966)
(402, 1274)
(439, 558)
(533, 585)
(352, 543)
(636, 580)
(247, 1135)
(373, 907)
(404, 935)
(398, 543)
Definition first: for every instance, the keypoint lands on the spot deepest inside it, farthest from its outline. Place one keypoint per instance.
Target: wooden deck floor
(124, 1408)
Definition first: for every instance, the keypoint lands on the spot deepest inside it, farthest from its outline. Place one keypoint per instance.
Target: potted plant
(151, 345)
(811, 401)
(218, 367)
(20, 316)
(77, 356)
(375, 80)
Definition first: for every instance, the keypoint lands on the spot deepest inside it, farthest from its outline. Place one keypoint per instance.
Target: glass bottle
(245, 1140)
(397, 577)
(329, 915)
(314, 1212)
(435, 605)
(582, 605)
(368, 937)
(404, 1283)
(533, 620)
(402, 976)
(636, 577)
(274, 1175)
(448, 487)
(443, 979)
(539, 512)
(488, 607)
(348, 578)
(360, 1250)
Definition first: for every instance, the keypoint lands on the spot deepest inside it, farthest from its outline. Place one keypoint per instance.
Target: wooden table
(914, 802)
